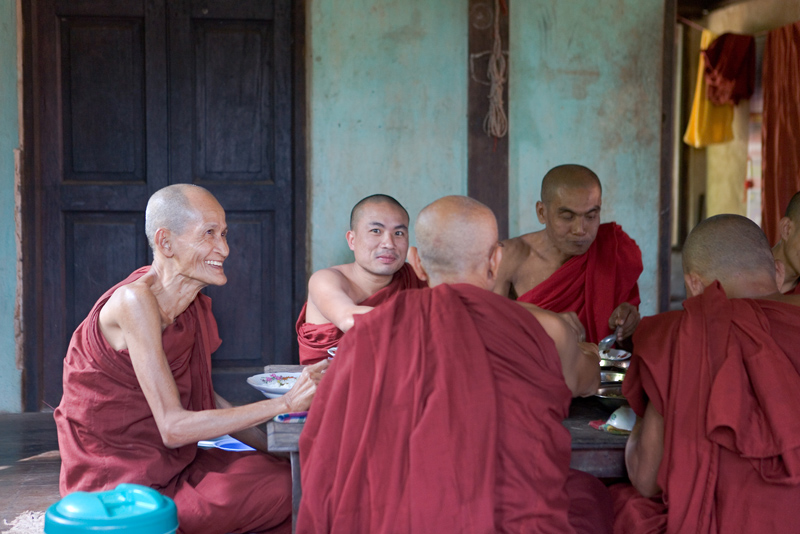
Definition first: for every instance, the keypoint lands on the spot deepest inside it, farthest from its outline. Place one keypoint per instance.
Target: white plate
(226, 443)
(614, 355)
(272, 388)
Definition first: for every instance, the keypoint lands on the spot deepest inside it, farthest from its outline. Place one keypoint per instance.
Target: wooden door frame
(32, 242)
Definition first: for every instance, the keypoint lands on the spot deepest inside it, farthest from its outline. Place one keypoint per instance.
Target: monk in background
(787, 250)
(716, 386)
(575, 264)
(443, 409)
(137, 385)
(378, 237)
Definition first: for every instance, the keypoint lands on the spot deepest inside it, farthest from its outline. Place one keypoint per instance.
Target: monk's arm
(329, 301)
(135, 312)
(644, 451)
(579, 361)
(253, 436)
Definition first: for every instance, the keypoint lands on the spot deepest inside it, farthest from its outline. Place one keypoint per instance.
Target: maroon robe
(316, 339)
(725, 374)
(442, 412)
(107, 434)
(594, 283)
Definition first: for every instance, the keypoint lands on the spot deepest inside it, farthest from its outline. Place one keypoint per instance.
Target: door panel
(130, 96)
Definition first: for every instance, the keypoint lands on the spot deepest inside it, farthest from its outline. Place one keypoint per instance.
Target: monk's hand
(572, 320)
(298, 399)
(624, 320)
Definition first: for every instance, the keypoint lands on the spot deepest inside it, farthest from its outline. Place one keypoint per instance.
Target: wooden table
(599, 453)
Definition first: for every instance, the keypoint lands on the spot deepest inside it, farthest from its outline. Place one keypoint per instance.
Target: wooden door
(132, 96)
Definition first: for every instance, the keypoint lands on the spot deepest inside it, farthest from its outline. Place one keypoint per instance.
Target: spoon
(607, 342)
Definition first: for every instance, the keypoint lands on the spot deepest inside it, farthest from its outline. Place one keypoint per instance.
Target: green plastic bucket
(128, 508)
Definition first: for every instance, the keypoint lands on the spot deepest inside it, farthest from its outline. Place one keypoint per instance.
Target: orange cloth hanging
(708, 123)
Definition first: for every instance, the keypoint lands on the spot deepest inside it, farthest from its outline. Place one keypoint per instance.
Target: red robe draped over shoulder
(442, 412)
(725, 374)
(595, 283)
(316, 339)
(107, 434)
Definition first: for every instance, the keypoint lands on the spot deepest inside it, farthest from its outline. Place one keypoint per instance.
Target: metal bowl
(614, 364)
(611, 396)
(611, 377)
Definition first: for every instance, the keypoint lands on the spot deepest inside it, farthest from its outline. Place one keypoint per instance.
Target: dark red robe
(725, 374)
(316, 339)
(441, 413)
(107, 434)
(595, 283)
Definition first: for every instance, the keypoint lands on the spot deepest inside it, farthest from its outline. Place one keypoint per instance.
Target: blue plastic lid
(127, 508)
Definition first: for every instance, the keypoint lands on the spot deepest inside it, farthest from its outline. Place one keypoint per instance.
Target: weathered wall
(585, 84)
(387, 110)
(9, 140)
(726, 165)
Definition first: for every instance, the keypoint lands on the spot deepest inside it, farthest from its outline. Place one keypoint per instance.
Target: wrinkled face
(571, 218)
(201, 250)
(379, 239)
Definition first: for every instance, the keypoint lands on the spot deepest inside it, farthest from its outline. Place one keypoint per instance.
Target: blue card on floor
(226, 443)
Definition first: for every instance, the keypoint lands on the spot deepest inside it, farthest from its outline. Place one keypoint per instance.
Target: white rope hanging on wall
(496, 123)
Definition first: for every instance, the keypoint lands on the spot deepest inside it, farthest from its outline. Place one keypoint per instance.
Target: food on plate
(278, 380)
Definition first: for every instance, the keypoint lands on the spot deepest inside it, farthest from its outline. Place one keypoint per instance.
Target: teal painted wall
(10, 386)
(387, 110)
(585, 87)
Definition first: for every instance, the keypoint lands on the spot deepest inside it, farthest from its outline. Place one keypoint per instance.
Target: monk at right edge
(442, 412)
(716, 386)
(575, 264)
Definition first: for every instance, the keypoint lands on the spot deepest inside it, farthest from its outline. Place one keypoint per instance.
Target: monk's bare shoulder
(528, 264)
(336, 278)
(134, 301)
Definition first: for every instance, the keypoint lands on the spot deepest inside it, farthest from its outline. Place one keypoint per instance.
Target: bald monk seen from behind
(138, 394)
(575, 264)
(378, 237)
(716, 386)
(443, 409)
(787, 249)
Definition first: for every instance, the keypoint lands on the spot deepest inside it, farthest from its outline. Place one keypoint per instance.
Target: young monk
(575, 264)
(717, 389)
(137, 385)
(378, 237)
(443, 409)
(787, 249)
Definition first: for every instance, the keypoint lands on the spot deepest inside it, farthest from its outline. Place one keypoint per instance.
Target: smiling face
(201, 249)
(379, 238)
(571, 218)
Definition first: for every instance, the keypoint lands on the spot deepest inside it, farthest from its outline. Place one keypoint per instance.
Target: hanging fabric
(730, 68)
(708, 123)
(780, 131)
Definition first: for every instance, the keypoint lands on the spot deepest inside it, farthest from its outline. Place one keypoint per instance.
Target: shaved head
(355, 215)
(567, 176)
(793, 209)
(725, 247)
(171, 208)
(455, 235)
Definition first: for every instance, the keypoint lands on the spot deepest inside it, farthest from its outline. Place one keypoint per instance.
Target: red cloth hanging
(780, 131)
(730, 68)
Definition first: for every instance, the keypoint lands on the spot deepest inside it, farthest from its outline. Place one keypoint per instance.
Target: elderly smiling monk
(717, 387)
(137, 385)
(443, 409)
(378, 237)
(575, 264)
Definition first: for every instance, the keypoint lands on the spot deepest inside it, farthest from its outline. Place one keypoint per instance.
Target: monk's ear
(351, 239)
(785, 227)
(494, 263)
(163, 243)
(694, 284)
(540, 211)
(416, 263)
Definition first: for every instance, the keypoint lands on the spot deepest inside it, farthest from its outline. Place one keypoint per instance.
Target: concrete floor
(29, 464)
